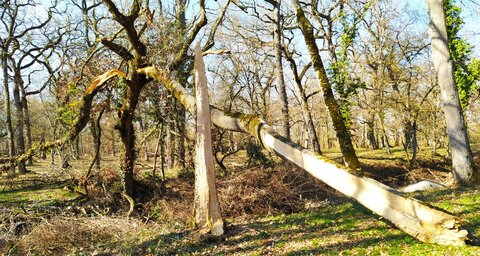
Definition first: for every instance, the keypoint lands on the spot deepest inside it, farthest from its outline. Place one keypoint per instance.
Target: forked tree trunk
(463, 167)
(306, 112)
(207, 207)
(410, 215)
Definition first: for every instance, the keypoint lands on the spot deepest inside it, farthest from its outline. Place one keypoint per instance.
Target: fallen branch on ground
(414, 217)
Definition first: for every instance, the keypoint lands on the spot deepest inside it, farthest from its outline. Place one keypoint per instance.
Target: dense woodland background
(377, 57)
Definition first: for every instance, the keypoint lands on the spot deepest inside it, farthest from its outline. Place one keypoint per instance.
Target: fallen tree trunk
(417, 219)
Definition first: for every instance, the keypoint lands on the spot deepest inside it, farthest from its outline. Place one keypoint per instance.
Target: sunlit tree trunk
(463, 167)
(180, 113)
(7, 109)
(343, 134)
(282, 91)
(306, 112)
(207, 208)
(28, 126)
(18, 82)
(170, 133)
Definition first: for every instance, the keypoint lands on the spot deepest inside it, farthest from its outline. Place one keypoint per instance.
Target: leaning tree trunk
(343, 134)
(463, 167)
(410, 215)
(207, 208)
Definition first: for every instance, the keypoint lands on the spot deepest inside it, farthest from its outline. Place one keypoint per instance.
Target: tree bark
(343, 134)
(170, 133)
(6, 105)
(127, 130)
(371, 132)
(95, 132)
(18, 82)
(207, 208)
(26, 114)
(282, 91)
(463, 167)
(180, 118)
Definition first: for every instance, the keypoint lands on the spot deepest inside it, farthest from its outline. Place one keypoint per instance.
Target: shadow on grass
(336, 248)
(28, 194)
(271, 235)
(391, 175)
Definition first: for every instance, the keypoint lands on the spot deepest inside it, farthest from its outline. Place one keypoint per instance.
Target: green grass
(40, 195)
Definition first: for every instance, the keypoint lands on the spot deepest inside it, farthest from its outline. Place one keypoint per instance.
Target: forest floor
(270, 209)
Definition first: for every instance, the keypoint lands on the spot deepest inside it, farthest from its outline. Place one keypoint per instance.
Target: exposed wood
(417, 219)
(207, 208)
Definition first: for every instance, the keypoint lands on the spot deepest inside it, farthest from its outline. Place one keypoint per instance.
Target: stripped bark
(207, 208)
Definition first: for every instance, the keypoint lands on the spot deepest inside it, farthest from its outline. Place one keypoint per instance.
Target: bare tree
(22, 48)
